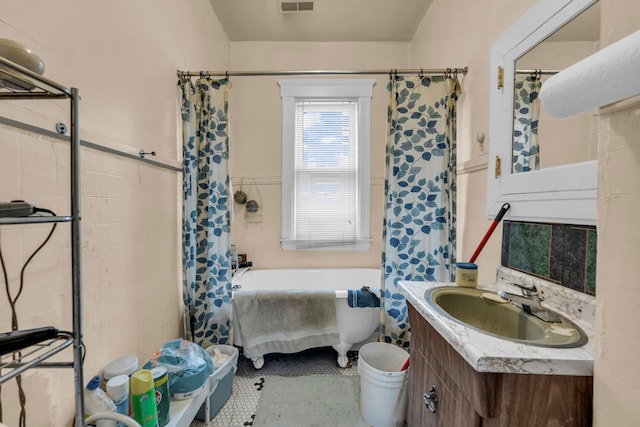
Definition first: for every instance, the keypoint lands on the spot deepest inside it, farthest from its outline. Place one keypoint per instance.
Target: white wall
(256, 142)
(617, 371)
(123, 57)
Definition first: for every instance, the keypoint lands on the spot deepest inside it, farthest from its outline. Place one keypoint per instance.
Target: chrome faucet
(530, 300)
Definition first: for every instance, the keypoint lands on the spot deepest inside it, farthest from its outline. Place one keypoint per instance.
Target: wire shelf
(33, 356)
(44, 219)
(18, 82)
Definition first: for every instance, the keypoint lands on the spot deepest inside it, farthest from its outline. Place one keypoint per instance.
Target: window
(325, 164)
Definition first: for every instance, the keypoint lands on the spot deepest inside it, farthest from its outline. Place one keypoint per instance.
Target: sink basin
(486, 312)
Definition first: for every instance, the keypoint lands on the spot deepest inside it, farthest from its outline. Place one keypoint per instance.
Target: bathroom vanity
(463, 377)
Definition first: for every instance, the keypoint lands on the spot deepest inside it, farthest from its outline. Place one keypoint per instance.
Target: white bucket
(383, 386)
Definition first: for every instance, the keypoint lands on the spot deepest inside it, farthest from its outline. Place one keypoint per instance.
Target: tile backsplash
(561, 253)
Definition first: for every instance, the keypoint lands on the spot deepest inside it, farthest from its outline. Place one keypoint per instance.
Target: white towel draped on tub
(285, 321)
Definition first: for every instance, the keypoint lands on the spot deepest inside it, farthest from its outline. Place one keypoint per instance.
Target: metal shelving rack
(21, 83)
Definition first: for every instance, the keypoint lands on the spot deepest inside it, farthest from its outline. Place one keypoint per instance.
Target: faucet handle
(528, 290)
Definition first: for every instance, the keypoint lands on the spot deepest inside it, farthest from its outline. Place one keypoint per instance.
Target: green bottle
(143, 398)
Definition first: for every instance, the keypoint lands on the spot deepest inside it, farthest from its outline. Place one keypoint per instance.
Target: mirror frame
(561, 194)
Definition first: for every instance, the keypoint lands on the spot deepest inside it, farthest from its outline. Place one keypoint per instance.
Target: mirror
(539, 140)
(563, 189)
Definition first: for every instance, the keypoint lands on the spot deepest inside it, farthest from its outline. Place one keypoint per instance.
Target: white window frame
(360, 90)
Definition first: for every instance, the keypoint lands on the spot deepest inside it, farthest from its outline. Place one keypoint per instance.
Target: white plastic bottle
(96, 400)
(118, 391)
(234, 257)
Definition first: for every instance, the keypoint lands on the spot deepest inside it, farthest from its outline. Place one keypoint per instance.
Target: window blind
(326, 174)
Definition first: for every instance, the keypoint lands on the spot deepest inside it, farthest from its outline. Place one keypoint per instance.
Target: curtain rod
(542, 72)
(322, 72)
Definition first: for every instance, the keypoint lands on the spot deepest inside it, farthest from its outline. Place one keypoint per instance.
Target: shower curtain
(526, 111)
(419, 232)
(206, 211)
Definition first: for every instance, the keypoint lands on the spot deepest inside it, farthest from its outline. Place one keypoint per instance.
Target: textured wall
(617, 372)
(123, 58)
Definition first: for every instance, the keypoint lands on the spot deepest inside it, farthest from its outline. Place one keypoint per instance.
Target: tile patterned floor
(247, 382)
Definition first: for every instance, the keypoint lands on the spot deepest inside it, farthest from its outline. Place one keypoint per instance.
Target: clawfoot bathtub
(354, 324)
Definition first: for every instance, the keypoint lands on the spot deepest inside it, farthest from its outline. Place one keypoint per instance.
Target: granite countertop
(486, 353)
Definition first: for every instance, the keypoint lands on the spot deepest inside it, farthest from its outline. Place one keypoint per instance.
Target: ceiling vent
(296, 6)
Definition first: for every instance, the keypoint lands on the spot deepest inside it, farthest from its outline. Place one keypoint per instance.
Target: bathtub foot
(342, 349)
(258, 362)
(343, 360)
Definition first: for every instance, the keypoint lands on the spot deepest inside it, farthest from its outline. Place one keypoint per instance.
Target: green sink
(486, 312)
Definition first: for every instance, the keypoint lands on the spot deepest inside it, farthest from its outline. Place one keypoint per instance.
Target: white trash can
(383, 386)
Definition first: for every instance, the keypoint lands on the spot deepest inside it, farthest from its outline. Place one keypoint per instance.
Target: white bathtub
(355, 324)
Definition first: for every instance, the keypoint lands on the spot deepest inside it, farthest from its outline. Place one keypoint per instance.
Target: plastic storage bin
(220, 382)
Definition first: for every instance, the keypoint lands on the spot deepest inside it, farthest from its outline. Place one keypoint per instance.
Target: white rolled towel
(607, 76)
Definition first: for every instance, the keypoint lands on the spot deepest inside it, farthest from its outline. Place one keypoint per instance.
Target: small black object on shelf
(13, 341)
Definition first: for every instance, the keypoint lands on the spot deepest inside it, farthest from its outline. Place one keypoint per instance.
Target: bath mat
(310, 401)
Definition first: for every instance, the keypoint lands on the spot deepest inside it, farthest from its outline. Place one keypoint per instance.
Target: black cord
(36, 210)
(14, 317)
(6, 281)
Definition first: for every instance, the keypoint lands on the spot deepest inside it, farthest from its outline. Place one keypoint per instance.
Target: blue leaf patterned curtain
(419, 233)
(526, 108)
(206, 211)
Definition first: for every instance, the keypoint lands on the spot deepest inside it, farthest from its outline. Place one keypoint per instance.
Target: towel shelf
(35, 355)
(17, 82)
(35, 219)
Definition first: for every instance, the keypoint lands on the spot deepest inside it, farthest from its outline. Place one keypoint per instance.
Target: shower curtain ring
(421, 73)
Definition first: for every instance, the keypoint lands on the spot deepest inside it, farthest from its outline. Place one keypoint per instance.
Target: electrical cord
(50, 212)
(14, 317)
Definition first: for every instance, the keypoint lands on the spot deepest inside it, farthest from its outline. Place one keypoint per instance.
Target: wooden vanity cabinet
(466, 397)
(451, 407)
